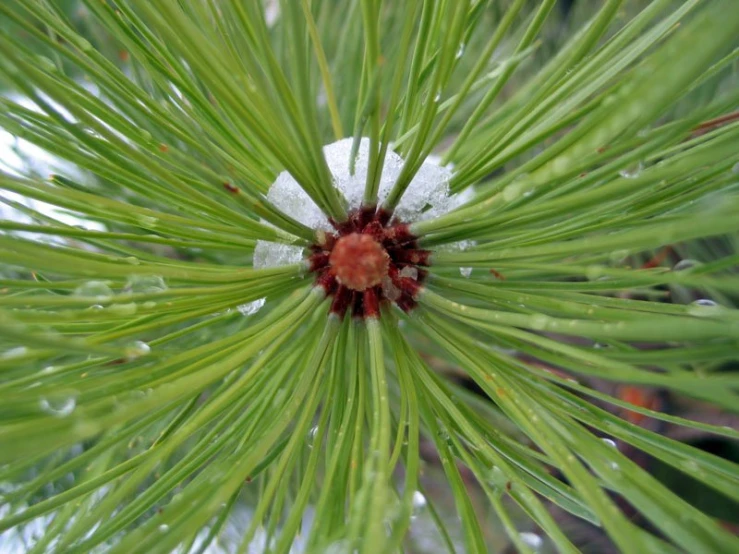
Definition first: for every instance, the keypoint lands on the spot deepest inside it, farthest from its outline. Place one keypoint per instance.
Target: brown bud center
(359, 262)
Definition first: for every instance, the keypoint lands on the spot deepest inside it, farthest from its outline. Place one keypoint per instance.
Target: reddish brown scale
(342, 298)
(357, 304)
(330, 241)
(383, 216)
(366, 216)
(371, 302)
(233, 189)
(401, 233)
(410, 256)
(327, 281)
(410, 286)
(406, 302)
(497, 274)
(394, 273)
(360, 264)
(318, 261)
(405, 284)
(326, 241)
(344, 227)
(376, 231)
(660, 257)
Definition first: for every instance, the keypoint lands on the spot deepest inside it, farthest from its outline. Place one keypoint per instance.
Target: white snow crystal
(427, 196)
(272, 254)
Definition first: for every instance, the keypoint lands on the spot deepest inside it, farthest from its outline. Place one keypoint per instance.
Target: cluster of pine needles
(520, 402)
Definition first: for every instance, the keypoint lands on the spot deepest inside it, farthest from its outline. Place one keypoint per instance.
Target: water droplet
(279, 398)
(538, 322)
(593, 272)
(532, 540)
(123, 309)
(632, 172)
(48, 369)
(133, 260)
(99, 290)
(465, 271)
(46, 64)
(58, 406)
(437, 97)
(512, 191)
(312, 436)
(147, 221)
(460, 51)
(83, 44)
(644, 132)
(251, 307)
(497, 478)
(95, 308)
(686, 264)
(16, 352)
(703, 307)
(338, 547)
(618, 255)
(145, 284)
(163, 528)
(419, 502)
(610, 442)
(136, 349)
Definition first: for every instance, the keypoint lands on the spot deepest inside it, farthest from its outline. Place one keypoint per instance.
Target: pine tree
(302, 265)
